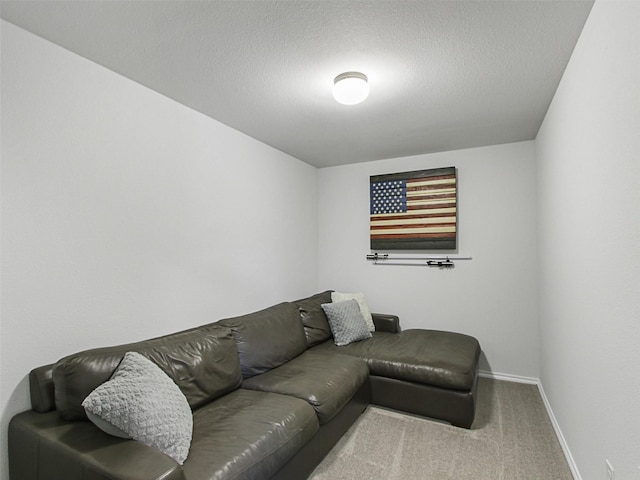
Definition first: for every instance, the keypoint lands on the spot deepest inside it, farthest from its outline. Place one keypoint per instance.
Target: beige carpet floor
(511, 439)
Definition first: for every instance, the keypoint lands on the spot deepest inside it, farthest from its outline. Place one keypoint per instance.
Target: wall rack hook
(440, 261)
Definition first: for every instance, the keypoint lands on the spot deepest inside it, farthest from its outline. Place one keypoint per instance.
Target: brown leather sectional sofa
(270, 392)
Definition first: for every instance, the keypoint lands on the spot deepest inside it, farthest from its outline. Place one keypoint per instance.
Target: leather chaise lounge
(270, 393)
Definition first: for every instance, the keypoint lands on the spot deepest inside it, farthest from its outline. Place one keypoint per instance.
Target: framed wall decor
(414, 210)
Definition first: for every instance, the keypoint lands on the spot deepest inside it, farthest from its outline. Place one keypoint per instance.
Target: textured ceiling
(444, 75)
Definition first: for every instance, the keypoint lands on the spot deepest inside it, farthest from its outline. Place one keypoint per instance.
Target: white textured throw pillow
(143, 403)
(346, 322)
(362, 303)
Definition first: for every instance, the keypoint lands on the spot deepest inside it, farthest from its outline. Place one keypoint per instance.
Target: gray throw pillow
(141, 402)
(346, 322)
(362, 303)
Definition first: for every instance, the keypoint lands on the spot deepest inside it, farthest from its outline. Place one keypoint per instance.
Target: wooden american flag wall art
(414, 210)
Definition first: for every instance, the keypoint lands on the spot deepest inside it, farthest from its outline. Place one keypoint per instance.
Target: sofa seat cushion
(325, 380)
(430, 357)
(247, 435)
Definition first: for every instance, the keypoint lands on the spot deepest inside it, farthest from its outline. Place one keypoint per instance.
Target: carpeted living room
(168, 165)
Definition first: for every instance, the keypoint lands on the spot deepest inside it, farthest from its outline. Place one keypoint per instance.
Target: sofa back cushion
(203, 362)
(316, 325)
(268, 338)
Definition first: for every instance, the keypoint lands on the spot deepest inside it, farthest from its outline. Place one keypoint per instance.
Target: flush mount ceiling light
(350, 88)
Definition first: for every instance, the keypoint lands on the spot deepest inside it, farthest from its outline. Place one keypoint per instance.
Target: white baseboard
(556, 427)
(509, 378)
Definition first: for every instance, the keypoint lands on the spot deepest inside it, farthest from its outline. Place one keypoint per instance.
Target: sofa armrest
(42, 442)
(41, 387)
(386, 323)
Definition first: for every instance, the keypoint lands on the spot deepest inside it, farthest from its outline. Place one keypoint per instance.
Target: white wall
(126, 215)
(492, 297)
(588, 152)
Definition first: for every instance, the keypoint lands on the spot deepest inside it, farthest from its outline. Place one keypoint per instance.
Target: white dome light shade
(350, 88)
